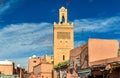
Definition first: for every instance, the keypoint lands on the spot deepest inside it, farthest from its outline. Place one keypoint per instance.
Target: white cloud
(19, 41)
(5, 5)
(22, 38)
(97, 25)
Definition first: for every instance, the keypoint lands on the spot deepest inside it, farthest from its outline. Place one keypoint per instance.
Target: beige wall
(99, 49)
(63, 38)
(44, 70)
(7, 69)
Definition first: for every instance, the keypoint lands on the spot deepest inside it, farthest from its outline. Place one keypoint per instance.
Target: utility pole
(68, 3)
(82, 34)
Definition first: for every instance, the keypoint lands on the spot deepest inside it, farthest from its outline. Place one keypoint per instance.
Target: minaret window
(63, 57)
(63, 19)
(34, 61)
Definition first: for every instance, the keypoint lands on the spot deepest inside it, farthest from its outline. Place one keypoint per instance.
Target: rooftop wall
(99, 49)
(7, 69)
(33, 61)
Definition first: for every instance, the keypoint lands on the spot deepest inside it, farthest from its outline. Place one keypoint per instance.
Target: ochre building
(63, 37)
(43, 70)
(6, 67)
(33, 61)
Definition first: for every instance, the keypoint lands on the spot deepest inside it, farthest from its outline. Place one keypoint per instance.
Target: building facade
(78, 60)
(100, 49)
(7, 67)
(63, 37)
(33, 61)
(99, 58)
(43, 70)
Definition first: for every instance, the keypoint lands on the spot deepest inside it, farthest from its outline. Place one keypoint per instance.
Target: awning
(84, 72)
(105, 61)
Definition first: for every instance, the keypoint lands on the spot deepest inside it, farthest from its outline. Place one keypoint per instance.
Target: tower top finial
(62, 7)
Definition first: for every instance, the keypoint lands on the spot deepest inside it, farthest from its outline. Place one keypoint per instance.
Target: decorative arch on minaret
(63, 15)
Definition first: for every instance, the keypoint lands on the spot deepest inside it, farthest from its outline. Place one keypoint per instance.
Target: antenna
(82, 33)
(62, 3)
(68, 3)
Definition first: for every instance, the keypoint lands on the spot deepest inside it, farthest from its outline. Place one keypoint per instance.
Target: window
(34, 61)
(63, 57)
(42, 76)
(63, 19)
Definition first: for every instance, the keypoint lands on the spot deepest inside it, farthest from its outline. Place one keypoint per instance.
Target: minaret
(63, 37)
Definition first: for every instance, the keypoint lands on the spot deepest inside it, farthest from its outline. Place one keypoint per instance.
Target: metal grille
(63, 35)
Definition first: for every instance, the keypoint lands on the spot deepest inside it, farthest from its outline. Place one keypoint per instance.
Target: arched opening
(63, 19)
(42, 76)
(63, 57)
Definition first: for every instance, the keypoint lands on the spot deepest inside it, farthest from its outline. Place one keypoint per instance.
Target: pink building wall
(99, 49)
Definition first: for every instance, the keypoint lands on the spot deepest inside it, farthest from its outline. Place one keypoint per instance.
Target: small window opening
(63, 19)
(63, 57)
(34, 61)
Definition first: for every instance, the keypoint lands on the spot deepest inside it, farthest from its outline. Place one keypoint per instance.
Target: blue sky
(26, 26)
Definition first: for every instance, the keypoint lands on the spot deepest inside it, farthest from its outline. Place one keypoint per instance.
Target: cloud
(117, 33)
(97, 25)
(5, 5)
(20, 39)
